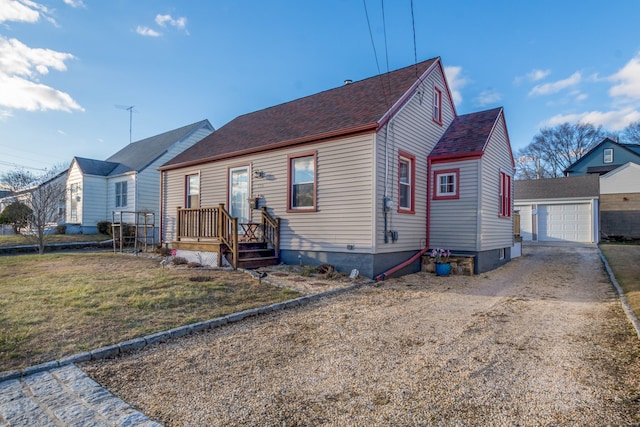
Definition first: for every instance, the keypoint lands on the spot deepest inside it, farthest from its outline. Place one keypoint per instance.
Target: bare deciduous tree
(631, 134)
(556, 148)
(44, 194)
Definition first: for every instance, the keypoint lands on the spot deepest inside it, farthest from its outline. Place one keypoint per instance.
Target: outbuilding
(558, 209)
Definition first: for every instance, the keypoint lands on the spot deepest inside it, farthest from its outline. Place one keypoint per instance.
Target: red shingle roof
(467, 134)
(346, 109)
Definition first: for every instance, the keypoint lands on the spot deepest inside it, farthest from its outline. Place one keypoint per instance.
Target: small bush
(61, 229)
(179, 261)
(163, 250)
(104, 227)
(307, 271)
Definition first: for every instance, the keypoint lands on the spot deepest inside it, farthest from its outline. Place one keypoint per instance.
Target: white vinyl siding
(344, 213)
(74, 207)
(454, 222)
(526, 223)
(495, 231)
(93, 207)
(413, 131)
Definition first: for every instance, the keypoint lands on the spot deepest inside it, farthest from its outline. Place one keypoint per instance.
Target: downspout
(160, 234)
(389, 272)
(424, 250)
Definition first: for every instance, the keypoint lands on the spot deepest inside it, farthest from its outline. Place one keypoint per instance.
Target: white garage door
(567, 222)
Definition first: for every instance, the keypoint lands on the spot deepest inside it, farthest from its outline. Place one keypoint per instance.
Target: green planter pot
(443, 269)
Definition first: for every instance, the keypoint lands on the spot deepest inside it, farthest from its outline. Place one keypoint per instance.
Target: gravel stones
(540, 341)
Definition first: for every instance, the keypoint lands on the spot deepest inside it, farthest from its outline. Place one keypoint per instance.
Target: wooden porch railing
(271, 230)
(216, 224)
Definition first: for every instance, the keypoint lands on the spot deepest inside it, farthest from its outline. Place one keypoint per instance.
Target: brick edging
(623, 298)
(139, 343)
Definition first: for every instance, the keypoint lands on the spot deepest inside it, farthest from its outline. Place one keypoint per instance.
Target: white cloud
(555, 87)
(16, 58)
(179, 23)
(20, 67)
(536, 75)
(487, 97)
(75, 3)
(627, 80)
(612, 120)
(146, 31)
(22, 94)
(5, 114)
(23, 11)
(456, 82)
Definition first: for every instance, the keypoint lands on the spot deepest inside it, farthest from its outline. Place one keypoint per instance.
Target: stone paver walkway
(64, 396)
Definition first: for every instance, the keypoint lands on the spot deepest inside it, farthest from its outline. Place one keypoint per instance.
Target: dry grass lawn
(59, 304)
(625, 263)
(19, 239)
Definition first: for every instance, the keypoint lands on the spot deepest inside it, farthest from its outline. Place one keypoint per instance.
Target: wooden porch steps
(255, 255)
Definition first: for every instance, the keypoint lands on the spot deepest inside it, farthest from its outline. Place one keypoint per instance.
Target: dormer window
(608, 155)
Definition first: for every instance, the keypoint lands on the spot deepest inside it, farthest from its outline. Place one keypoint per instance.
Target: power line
(18, 166)
(415, 51)
(375, 53)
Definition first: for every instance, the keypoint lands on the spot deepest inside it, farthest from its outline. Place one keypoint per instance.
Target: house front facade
(360, 177)
(127, 183)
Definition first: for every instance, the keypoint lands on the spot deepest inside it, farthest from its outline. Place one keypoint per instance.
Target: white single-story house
(127, 182)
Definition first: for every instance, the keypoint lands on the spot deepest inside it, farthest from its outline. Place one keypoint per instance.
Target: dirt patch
(540, 341)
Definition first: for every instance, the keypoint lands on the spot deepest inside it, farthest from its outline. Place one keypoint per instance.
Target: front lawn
(625, 263)
(60, 304)
(19, 239)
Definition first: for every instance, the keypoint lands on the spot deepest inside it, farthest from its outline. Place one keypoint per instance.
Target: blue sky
(66, 65)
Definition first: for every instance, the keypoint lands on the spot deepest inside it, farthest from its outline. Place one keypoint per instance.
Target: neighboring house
(366, 176)
(558, 209)
(620, 202)
(46, 199)
(127, 182)
(616, 164)
(604, 157)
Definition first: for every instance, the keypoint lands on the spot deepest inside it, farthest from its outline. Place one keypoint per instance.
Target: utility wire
(415, 51)
(386, 49)
(375, 53)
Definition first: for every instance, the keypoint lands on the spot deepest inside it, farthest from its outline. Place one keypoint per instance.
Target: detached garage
(558, 209)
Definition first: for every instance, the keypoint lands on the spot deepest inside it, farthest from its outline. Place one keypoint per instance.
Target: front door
(239, 194)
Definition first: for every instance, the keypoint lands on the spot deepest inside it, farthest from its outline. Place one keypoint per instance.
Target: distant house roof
(557, 188)
(348, 109)
(633, 148)
(95, 167)
(600, 170)
(467, 134)
(137, 155)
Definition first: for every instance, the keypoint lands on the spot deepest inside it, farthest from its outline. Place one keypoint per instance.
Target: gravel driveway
(540, 341)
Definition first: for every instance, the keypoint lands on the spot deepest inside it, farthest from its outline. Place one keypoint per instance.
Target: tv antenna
(130, 109)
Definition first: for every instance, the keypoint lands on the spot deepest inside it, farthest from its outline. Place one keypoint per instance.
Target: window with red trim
(505, 195)
(302, 182)
(406, 182)
(446, 184)
(437, 105)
